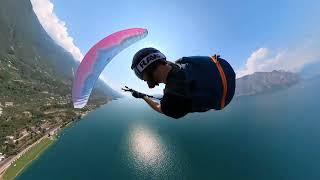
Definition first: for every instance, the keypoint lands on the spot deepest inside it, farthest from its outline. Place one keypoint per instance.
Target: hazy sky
(251, 35)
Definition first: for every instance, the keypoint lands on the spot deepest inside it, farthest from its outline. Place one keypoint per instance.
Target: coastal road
(5, 164)
(8, 161)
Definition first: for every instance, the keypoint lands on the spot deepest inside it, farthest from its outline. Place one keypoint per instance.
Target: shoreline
(15, 158)
(8, 164)
(57, 130)
(49, 142)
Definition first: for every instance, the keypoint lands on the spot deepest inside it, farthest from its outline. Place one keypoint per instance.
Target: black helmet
(144, 58)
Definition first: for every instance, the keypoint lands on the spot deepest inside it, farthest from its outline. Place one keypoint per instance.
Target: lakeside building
(35, 130)
(45, 126)
(2, 157)
(54, 131)
(8, 104)
(23, 132)
(62, 102)
(10, 137)
(27, 114)
(10, 140)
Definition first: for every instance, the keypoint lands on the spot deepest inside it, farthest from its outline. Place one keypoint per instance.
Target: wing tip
(79, 105)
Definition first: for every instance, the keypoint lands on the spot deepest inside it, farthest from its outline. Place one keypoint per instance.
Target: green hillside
(35, 79)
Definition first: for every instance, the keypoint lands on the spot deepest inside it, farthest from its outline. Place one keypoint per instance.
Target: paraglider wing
(97, 58)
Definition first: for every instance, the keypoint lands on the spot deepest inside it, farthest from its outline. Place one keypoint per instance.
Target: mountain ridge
(35, 80)
(261, 82)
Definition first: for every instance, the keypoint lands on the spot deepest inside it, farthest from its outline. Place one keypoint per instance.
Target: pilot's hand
(137, 94)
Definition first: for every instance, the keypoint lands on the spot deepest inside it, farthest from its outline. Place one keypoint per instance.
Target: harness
(202, 84)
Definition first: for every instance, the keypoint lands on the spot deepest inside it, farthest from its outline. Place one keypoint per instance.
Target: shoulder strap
(223, 80)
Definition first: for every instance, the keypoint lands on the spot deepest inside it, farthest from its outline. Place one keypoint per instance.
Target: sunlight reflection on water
(148, 153)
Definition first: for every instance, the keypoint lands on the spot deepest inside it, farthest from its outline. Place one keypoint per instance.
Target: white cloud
(55, 27)
(294, 59)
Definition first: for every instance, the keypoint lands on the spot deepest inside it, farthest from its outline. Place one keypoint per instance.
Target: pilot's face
(150, 81)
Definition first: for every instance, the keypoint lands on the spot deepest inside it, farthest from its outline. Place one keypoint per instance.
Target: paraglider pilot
(192, 84)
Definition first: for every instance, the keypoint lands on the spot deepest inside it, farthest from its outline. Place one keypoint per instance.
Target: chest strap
(223, 79)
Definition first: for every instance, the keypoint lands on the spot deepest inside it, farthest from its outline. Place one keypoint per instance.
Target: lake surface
(270, 136)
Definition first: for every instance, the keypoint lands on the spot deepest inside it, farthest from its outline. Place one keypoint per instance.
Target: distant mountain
(261, 82)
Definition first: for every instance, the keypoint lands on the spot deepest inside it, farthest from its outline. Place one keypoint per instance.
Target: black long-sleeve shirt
(175, 102)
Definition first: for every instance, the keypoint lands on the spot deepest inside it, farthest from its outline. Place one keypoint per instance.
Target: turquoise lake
(271, 136)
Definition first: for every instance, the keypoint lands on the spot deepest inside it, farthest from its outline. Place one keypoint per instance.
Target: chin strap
(126, 89)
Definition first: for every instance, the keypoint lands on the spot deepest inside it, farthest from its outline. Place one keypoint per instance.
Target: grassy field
(19, 165)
